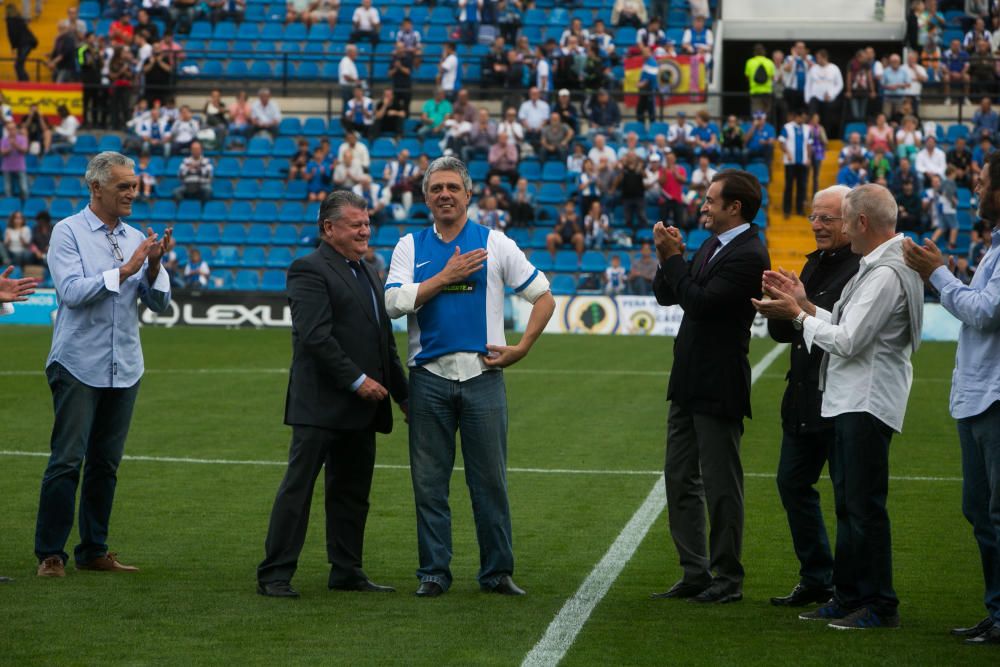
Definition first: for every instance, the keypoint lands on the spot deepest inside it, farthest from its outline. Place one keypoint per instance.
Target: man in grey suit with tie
(344, 369)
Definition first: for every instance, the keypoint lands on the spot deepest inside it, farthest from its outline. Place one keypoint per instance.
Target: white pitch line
(566, 625)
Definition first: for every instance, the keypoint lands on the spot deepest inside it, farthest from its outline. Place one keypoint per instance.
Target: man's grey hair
(876, 203)
(99, 167)
(448, 163)
(832, 191)
(333, 206)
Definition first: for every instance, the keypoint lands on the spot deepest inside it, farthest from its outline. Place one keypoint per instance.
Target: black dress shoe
(364, 586)
(802, 595)
(429, 589)
(5, 580)
(717, 595)
(681, 589)
(977, 629)
(277, 589)
(506, 586)
(990, 637)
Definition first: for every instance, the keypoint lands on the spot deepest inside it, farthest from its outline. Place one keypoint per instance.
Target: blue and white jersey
(796, 140)
(464, 317)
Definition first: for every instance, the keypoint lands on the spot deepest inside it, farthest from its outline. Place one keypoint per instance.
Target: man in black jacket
(344, 368)
(806, 436)
(709, 386)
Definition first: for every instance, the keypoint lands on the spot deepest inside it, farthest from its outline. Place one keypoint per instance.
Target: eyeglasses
(822, 219)
(116, 249)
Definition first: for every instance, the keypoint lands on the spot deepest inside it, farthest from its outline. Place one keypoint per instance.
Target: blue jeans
(859, 469)
(89, 430)
(980, 440)
(476, 408)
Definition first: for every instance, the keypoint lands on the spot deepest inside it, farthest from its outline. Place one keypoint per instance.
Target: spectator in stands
(910, 209)
(986, 121)
(615, 280)
(681, 137)
(316, 176)
(390, 115)
(931, 160)
(215, 114)
(759, 73)
(297, 11)
(632, 145)
(903, 174)
(121, 76)
(182, 15)
(482, 135)
(555, 139)
(157, 9)
(398, 176)
(522, 204)
(631, 184)
(494, 65)
(671, 179)
(159, 71)
(818, 146)
(401, 74)
(348, 171)
(17, 239)
(942, 200)
(509, 19)
(642, 272)
(703, 174)
(490, 216)
(377, 262)
(78, 25)
(409, 37)
(570, 65)
(147, 181)
(918, 77)
(567, 110)
(196, 176)
(503, 158)
(760, 139)
(824, 84)
(982, 70)
(91, 63)
(232, 10)
(298, 162)
(376, 197)
(14, 149)
(600, 149)
(977, 34)
(955, 70)
(347, 74)
(604, 116)
(979, 156)
(184, 132)
(39, 132)
(960, 159)
(154, 133)
(909, 138)
(851, 148)
(895, 82)
(144, 26)
(40, 237)
(880, 167)
(366, 22)
(359, 149)
(629, 13)
(567, 231)
(468, 19)
(698, 40)
(533, 114)
(588, 187)
(265, 114)
(733, 149)
(434, 113)
(981, 244)
(794, 68)
(706, 139)
(359, 113)
(62, 58)
(880, 134)
(325, 10)
(65, 132)
(121, 31)
(196, 271)
(853, 173)
(22, 41)
(239, 116)
(449, 71)
(796, 144)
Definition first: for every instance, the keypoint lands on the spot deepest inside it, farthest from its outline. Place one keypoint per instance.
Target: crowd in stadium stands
(560, 136)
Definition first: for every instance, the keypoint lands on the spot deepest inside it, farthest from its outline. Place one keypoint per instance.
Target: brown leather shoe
(52, 566)
(107, 563)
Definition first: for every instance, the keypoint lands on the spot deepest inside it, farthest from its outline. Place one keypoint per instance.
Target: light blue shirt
(96, 336)
(975, 382)
(895, 77)
(727, 236)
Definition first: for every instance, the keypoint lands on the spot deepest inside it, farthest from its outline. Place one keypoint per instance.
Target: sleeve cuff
(809, 327)
(6, 308)
(941, 277)
(822, 315)
(162, 281)
(112, 280)
(357, 383)
(401, 299)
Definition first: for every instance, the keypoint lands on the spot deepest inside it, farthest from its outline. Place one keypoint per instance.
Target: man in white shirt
(824, 83)
(680, 137)
(448, 72)
(918, 77)
(347, 74)
(184, 131)
(360, 151)
(533, 114)
(866, 377)
(265, 115)
(367, 23)
(600, 150)
(931, 160)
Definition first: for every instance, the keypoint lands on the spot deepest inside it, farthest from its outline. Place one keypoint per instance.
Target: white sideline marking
(564, 628)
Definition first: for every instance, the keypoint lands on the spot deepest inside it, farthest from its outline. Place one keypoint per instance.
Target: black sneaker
(865, 619)
(831, 611)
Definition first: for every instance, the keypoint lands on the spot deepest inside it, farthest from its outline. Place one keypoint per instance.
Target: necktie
(711, 245)
(366, 287)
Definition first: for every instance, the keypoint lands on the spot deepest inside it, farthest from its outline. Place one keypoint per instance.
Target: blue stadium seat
(236, 69)
(436, 34)
(291, 213)
(383, 148)
(261, 69)
(253, 257)
(164, 210)
(228, 167)
(294, 32)
(165, 187)
(247, 279)
(226, 257)
(257, 13)
(276, 169)
(233, 235)
(551, 193)
(76, 166)
(432, 148)
(158, 166)
(224, 30)
(259, 147)
(554, 172)
(290, 127)
(307, 70)
(478, 170)
(63, 208)
(218, 49)
(89, 10)
(279, 258)
(543, 261)
(956, 131)
(33, 206)
(184, 233)
(253, 168)
(387, 235)
(695, 238)
(851, 128)
(174, 165)
(248, 31)
(314, 127)
(320, 32)
(86, 144)
(566, 260)
(284, 235)
(200, 30)
(964, 198)
(208, 234)
(210, 69)
(215, 211)
(593, 262)
(240, 212)
(258, 234)
(265, 211)
(563, 285)
(44, 186)
(760, 171)
(246, 189)
(273, 280)
(189, 210)
(284, 148)
(51, 165)
(536, 18)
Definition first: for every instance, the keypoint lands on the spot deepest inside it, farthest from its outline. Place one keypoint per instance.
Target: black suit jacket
(336, 338)
(711, 373)
(824, 277)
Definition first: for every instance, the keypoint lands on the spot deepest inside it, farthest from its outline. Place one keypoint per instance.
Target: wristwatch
(799, 320)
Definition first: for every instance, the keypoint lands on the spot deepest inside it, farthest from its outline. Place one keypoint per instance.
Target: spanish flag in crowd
(682, 79)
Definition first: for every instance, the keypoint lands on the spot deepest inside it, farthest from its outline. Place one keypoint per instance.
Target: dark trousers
(634, 213)
(796, 178)
(89, 431)
(703, 471)
(799, 467)
(980, 439)
(646, 107)
(829, 115)
(19, 60)
(349, 458)
(859, 468)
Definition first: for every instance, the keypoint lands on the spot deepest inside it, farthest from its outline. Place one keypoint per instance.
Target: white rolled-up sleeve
(400, 288)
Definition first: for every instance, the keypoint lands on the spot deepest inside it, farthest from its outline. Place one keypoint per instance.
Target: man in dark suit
(344, 368)
(807, 437)
(709, 386)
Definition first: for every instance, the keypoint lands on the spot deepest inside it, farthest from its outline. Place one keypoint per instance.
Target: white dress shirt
(931, 163)
(533, 114)
(869, 368)
(823, 80)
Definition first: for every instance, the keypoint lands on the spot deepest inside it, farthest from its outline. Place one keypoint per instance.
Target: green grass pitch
(577, 403)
